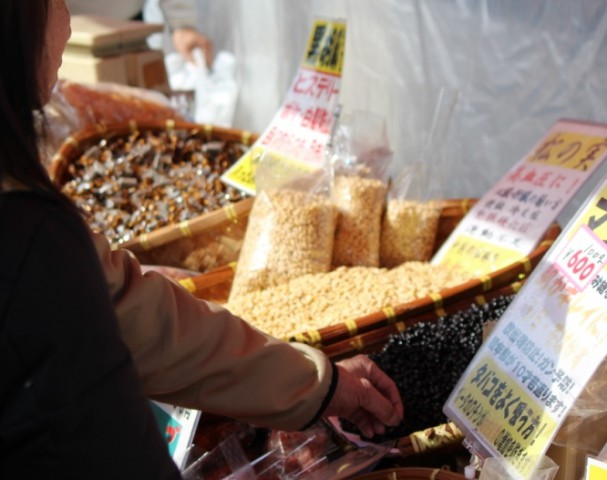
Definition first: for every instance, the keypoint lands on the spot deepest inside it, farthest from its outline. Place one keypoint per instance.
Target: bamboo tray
(215, 286)
(372, 341)
(441, 438)
(169, 244)
(411, 473)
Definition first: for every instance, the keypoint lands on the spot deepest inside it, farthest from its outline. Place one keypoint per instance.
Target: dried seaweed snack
(408, 231)
(290, 233)
(360, 202)
(427, 360)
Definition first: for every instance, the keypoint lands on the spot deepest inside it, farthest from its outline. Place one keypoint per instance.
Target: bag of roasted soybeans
(410, 222)
(359, 158)
(291, 227)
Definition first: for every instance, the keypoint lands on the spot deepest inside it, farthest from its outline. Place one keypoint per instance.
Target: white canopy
(518, 65)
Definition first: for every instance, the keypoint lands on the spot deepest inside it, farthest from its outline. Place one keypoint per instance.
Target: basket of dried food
(322, 309)
(372, 341)
(425, 359)
(154, 188)
(411, 473)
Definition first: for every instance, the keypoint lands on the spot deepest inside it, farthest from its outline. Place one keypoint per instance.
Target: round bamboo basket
(162, 245)
(411, 473)
(373, 340)
(215, 286)
(76, 144)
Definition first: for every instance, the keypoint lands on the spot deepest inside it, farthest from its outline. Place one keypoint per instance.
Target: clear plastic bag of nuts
(291, 228)
(411, 219)
(359, 159)
(410, 222)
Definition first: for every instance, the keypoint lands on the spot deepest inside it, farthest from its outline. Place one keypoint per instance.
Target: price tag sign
(582, 258)
(510, 219)
(301, 128)
(524, 379)
(178, 426)
(595, 469)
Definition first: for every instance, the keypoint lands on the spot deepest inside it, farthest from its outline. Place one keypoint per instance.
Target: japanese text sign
(524, 379)
(595, 469)
(301, 128)
(511, 218)
(178, 425)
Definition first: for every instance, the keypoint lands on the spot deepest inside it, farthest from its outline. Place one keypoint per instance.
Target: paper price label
(514, 423)
(524, 379)
(177, 425)
(474, 256)
(596, 216)
(582, 258)
(515, 212)
(595, 469)
(570, 150)
(243, 173)
(301, 128)
(325, 50)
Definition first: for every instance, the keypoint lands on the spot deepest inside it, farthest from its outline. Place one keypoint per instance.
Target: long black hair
(23, 26)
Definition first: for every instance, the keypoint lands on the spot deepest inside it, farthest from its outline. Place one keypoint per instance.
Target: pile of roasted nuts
(133, 184)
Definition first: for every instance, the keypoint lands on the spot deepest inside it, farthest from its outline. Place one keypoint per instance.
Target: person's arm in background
(180, 16)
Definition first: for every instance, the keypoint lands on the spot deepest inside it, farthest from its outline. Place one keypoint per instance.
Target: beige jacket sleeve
(179, 13)
(197, 354)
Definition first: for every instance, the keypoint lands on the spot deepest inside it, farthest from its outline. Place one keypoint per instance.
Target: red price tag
(582, 258)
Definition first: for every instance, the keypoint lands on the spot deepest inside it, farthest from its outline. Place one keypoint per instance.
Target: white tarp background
(519, 65)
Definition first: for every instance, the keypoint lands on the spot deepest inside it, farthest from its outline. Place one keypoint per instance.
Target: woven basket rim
(76, 144)
(380, 334)
(225, 273)
(322, 337)
(412, 473)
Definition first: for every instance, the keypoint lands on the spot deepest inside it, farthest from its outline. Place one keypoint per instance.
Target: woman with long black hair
(86, 339)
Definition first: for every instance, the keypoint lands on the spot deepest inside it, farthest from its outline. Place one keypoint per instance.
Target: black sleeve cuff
(328, 397)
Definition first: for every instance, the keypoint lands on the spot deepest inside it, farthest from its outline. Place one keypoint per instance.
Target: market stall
(305, 230)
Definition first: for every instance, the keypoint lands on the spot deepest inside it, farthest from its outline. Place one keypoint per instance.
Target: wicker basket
(170, 244)
(215, 286)
(372, 341)
(411, 473)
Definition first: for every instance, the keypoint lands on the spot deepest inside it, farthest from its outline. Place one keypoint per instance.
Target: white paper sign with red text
(300, 130)
(508, 221)
(526, 376)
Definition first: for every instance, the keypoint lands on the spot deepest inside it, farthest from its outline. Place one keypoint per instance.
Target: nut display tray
(153, 188)
(215, 286)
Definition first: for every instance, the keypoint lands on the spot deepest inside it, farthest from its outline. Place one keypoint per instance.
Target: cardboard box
(105, 49)
(146, 69)
(571, 461)
(88, 69)
(106, 36)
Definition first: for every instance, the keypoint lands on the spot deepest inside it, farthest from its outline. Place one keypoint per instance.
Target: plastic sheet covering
(519, 66)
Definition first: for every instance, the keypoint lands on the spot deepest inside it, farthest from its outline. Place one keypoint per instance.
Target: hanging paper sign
(301, 128)
(510, 219)
(595, 469)
(178, 425)
(524, 379)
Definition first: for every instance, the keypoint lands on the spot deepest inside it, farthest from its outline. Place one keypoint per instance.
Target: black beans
(427, 360)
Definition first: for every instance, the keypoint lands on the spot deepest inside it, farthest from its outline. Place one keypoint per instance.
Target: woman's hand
(365, 396)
